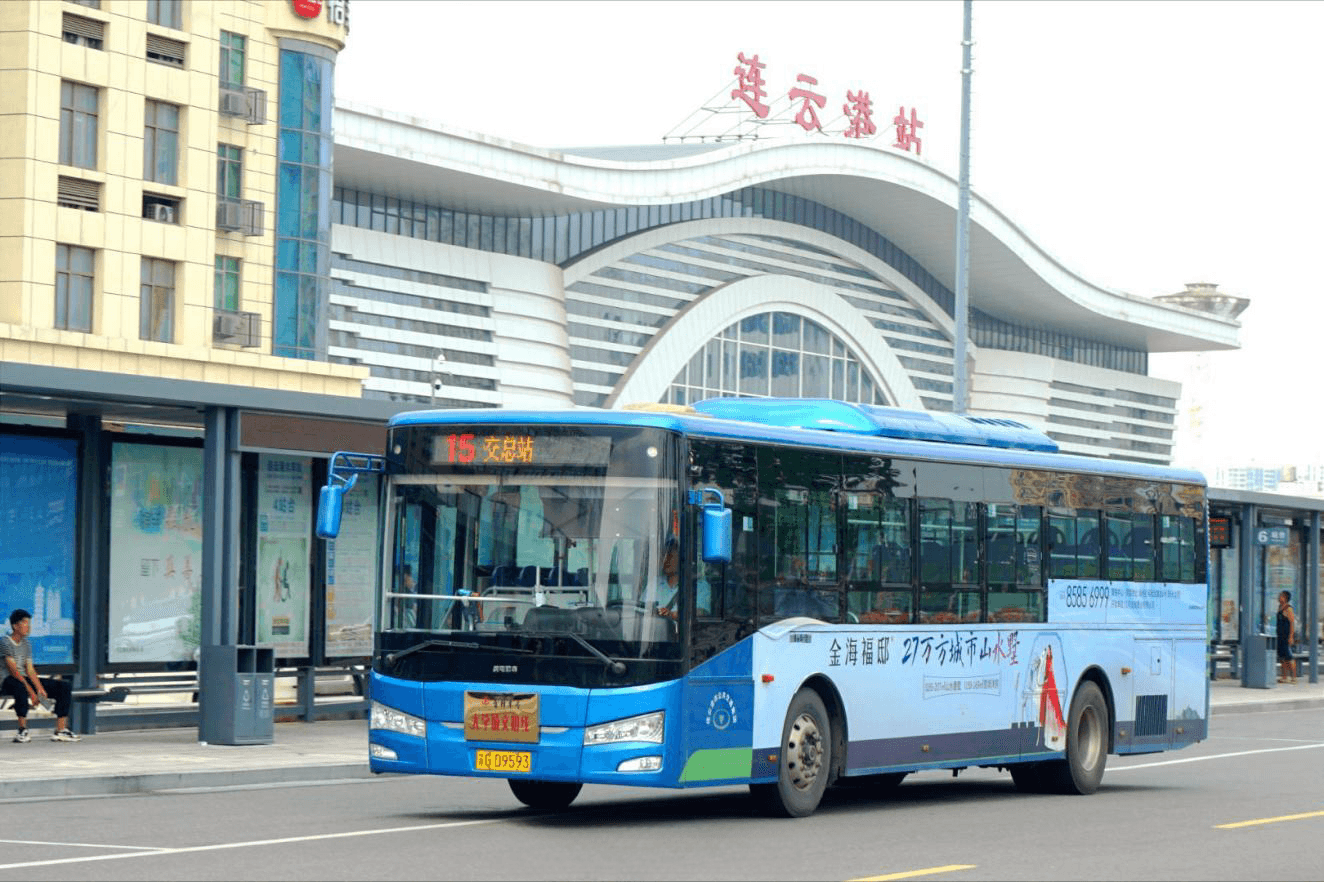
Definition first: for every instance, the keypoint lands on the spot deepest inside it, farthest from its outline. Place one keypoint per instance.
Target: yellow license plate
(503, 761)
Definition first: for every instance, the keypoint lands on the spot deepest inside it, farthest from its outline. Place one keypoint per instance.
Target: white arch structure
(687, 333)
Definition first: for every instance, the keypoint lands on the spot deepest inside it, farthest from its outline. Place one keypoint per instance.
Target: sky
(1144, 145)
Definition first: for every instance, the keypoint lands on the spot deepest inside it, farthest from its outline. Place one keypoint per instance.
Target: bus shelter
(1259, 545)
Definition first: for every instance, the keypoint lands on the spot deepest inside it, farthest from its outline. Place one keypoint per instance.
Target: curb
(1250, 707)
(120, 785)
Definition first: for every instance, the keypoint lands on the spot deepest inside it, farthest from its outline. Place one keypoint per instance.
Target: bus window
(1088, 545)
(1142, 547)
(949, 562)
(1118, 527)
(878, 555)
(1062, 544)
(799, 532)
(1170, 548)
(1015, 587)
(1177, 549)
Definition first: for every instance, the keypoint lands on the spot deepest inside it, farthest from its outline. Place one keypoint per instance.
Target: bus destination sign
(498, 448)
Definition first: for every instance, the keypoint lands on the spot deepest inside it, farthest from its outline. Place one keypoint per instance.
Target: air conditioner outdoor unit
(234, 103)
(163, 213)
(235, 327)
(229, 214)
(228, 325)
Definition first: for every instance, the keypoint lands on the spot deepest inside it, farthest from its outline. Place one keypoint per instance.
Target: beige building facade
(138, 171)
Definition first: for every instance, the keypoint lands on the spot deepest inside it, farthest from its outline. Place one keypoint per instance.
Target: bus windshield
(536, 562)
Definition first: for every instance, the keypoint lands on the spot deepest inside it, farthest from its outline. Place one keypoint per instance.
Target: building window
(227, 283)
(161, 143)
(233, 52)
(81, 31)
(74, 277)
(78, 124)
(167, 13)
(77, 193)
(156, 317)
(303, 207)
(164, 50)
(229, 169)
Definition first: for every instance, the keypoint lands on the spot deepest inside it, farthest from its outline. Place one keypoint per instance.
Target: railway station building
(213, 275)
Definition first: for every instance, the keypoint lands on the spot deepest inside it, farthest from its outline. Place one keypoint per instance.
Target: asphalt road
(1245, 804)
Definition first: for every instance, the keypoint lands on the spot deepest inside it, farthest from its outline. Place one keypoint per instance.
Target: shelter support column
(220, 552)
(92, 593)
(1310, 608)
(1248, 590)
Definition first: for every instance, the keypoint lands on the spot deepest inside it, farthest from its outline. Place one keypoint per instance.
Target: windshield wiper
(393, 657)
(613, 665)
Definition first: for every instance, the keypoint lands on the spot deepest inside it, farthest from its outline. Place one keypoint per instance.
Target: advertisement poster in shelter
(155, 592)
(351, 573)
(38, 517)
(284, 525)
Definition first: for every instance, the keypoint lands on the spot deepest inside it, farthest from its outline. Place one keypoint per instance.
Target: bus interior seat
(549, 618)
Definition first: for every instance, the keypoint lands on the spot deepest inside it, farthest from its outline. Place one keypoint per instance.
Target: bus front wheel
(804, 760)
(1087, 744)
(548, 795)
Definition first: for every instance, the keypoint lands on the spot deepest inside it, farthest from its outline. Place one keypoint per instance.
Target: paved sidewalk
(147, 760)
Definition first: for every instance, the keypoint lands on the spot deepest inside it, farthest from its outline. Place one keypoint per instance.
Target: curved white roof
(906, 200)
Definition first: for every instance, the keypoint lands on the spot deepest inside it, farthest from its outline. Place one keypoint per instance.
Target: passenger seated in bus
(795, 595)
(884, 611)
(668, 586)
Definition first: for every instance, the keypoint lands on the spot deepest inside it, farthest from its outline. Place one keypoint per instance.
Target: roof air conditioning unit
(234, 103)
(163, 213)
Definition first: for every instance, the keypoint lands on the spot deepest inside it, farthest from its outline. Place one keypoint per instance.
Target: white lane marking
(1200, 759)
(252, 843)
(22, 842)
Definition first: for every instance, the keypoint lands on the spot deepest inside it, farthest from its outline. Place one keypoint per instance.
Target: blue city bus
(778, 593)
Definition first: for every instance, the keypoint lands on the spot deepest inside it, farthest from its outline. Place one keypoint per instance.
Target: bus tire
(804, 760)
(1087, 744)
(546, 795)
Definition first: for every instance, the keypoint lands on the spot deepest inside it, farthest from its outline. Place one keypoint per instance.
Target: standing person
(1286, 636)
(25, 687)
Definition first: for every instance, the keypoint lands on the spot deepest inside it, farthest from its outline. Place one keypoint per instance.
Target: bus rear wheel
(804, 760)
(548, 795)
(1087, 745)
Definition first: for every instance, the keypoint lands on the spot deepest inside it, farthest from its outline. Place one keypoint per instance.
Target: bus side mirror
(716, 529)
(329, 506)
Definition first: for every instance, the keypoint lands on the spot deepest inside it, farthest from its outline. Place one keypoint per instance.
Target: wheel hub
(804, 755)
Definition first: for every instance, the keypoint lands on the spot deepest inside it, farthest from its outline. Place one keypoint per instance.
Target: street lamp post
(961, 385)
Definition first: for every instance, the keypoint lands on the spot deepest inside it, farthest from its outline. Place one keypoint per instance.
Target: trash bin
(236, 695)
(1261, 659)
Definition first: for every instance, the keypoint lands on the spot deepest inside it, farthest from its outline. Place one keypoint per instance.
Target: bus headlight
(392, 720)
(646, 727)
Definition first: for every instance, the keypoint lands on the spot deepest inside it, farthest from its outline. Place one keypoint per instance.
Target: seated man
(668, 586)
(22, 683)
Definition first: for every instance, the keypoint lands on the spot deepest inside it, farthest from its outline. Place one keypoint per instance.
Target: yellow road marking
(911, 874)
(1269, 820)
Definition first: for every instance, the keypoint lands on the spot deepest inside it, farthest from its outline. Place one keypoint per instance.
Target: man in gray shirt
(25, 687)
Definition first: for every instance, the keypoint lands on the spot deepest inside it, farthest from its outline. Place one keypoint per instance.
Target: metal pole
(961, 387)
(1311, 596)
(1246, 588)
